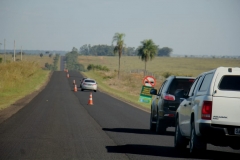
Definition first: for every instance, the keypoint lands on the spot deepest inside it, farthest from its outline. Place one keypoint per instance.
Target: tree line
(146, 51)
(108, 50)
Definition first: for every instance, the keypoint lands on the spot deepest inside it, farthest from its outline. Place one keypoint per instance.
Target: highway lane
(59, 124)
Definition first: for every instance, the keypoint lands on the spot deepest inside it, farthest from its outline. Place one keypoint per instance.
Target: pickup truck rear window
(230, 83)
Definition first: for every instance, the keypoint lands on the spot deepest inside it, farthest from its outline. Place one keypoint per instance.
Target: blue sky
(189, 27)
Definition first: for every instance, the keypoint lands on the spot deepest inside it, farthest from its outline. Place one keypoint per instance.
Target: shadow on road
(164, 151)
(136, 131)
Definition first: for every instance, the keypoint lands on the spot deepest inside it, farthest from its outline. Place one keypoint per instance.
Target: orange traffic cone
(67, 75)
(90, 101)
(73, 82)
(75, 88)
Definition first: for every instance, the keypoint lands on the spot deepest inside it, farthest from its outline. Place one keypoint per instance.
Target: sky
(189, 27)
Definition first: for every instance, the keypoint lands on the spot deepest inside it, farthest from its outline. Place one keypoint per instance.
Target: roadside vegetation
(72, 61)
(129, 85)
(19, 79)
(55, 66)
(25, 76)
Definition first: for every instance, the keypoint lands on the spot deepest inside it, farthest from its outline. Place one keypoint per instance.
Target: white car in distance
(89, 84)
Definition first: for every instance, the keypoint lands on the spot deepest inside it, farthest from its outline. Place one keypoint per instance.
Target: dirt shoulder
(19, 104)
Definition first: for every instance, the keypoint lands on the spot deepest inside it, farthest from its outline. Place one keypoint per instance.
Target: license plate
(237, 131)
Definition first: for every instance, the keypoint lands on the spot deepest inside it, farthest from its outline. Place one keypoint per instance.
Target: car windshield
(184, 84)
(90, 81)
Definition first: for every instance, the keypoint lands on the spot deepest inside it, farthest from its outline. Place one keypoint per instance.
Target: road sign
(145, 96)
(149, 81)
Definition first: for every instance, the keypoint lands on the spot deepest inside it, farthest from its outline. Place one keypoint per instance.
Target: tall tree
(119, 39)
(147, 51)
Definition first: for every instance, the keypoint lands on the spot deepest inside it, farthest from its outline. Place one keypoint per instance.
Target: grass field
(129, 85)
(21, 78)
(161, 65)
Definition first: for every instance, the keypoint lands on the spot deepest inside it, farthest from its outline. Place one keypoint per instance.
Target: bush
(166, 74)
(97, 67)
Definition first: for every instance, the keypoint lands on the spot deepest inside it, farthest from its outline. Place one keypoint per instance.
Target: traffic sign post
(149, 81)
(145, 96)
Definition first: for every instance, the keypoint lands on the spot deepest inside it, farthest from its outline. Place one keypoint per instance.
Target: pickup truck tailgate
(226, 111)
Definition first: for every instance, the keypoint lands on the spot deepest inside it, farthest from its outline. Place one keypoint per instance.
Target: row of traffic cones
(75, 86)
(90, 101)
(66, 70)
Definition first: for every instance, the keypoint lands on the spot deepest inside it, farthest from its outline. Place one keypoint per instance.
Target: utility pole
(4, 50)
(14, 52)
(0, 46)
(21, 53)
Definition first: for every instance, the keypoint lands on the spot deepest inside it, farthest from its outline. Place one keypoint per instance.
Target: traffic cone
(73, 82)
(75, 88)
(67, 75)
(90, 101)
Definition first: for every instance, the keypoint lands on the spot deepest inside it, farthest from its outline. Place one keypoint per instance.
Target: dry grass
(31, 58)
(161, 65)
(19, 79)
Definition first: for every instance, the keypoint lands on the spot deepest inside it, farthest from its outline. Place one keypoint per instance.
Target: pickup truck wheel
(160, 126)
(180, 142)
(152, 125)
(197, 144)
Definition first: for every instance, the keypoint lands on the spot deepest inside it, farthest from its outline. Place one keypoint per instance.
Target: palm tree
(118, 38)
(147, 51)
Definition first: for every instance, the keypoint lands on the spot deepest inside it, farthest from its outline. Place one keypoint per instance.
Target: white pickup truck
(211, 111)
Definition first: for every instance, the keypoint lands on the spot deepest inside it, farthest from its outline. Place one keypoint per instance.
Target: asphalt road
(59, 124)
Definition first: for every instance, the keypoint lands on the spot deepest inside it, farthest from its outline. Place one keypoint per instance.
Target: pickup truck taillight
(207, 110)
(169, 97)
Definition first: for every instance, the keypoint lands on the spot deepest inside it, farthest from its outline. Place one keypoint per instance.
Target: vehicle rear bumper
(208, 129)
(219, 135)
(168, 119)
(89, 87)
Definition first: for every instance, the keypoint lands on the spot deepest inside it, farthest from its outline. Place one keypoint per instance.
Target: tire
(160, 126)
(95, 90)
(152, 125)
(180, 142)
(82, 89)
(197, 144)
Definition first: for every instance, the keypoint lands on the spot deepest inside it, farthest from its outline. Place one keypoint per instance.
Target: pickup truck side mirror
(182, 99)
(153, 91)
